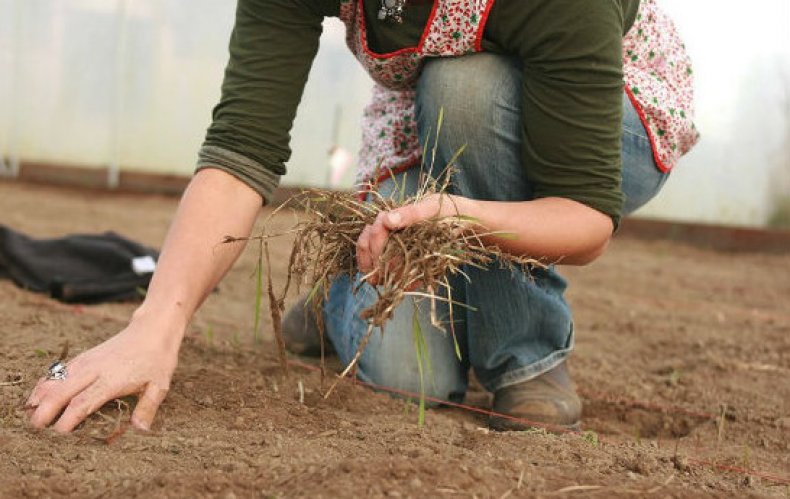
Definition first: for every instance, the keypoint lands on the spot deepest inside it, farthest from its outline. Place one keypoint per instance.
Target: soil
(682, 359)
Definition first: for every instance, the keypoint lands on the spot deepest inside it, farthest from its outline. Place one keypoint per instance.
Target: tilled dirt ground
(682, 358)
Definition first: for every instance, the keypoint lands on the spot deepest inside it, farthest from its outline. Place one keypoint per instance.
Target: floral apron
(657, 73)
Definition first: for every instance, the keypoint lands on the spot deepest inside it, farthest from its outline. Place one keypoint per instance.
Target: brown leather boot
(300, 331)
(550, 400)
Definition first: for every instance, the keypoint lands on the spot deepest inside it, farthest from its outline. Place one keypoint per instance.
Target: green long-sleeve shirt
(571, 52)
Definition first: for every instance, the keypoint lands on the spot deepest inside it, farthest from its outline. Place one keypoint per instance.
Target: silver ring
(57, 371)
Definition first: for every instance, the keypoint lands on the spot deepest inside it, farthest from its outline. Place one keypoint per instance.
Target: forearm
(193, 259)
(571, 95)
(552, 229)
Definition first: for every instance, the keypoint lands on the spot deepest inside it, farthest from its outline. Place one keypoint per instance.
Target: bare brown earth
(660, 327)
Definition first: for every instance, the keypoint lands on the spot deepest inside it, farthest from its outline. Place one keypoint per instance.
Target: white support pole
(114, 167)
(13, 166)
(334, 142)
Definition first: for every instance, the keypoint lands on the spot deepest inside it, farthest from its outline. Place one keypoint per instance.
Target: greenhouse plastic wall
(129, 84)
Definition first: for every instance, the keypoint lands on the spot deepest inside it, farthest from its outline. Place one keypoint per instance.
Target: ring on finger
(57, 370)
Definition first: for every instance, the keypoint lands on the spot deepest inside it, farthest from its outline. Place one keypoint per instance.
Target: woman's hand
(373, 239)
(139, 360)
(554, 230)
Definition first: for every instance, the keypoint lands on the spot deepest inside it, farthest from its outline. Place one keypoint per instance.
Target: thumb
(410, 214)
(147, 405)
(394, 220)
(402, 217)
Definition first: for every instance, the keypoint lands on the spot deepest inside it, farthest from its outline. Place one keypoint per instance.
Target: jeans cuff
(531, 371)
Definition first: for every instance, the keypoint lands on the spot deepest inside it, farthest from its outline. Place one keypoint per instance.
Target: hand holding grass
(548, 229)
(374, 237)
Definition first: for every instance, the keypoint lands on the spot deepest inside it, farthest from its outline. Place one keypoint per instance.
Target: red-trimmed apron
(657, 73)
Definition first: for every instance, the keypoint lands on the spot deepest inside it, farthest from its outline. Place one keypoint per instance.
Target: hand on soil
(134, 362)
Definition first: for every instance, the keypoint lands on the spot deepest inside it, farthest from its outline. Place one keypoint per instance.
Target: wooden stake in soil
(276, 307)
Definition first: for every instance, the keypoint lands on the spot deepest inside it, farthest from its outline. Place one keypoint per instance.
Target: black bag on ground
(82, 268)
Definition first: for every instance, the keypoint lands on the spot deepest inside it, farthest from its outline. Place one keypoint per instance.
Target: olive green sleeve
(571, 96)
(272, 47)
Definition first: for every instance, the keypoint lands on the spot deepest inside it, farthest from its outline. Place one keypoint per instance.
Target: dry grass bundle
(417, 260)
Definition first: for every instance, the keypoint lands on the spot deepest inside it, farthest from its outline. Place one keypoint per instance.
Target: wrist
(451, 205)
(161, 323)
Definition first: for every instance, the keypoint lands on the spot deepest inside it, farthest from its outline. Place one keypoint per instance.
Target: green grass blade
(505, 235)
(424, 349)
(466, 218)
(407, 406)
(452, 318)
(210, 334)
(399, 191)
(436, 137)
(424, 175)
(457, 154)
(447, 300)
(421, 417)
(312, 293)
(416, 332)
(457, 348)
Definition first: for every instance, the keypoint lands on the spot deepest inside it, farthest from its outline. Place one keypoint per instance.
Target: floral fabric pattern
(389, 134)
(657, 76)
(456, 28)
(659, 81)
(389, 131)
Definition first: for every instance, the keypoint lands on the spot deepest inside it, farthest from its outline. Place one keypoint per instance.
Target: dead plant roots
(417, 261)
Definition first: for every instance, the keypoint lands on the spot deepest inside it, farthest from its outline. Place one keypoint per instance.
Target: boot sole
(505, 424)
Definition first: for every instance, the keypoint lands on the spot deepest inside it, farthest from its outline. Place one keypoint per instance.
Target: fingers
(373, 239)
(147, 405)
(370, 246)
(87, 401)
(83, 405)
(37, 394)
(394, 219)
(51, 396)
(402, 217)
(364, 258)
(378, 237)
(407, 215)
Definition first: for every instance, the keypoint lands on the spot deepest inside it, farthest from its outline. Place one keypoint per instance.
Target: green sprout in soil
(235, 340)
(591, 437)
(209, 334)
(423, 360)
(674, 377)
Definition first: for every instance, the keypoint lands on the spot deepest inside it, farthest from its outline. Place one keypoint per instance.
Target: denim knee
(390, 358)
(481, 98)
(469, 88)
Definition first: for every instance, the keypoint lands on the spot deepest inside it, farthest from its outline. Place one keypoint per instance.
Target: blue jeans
(521, 326)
